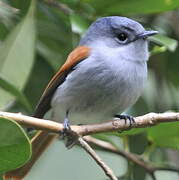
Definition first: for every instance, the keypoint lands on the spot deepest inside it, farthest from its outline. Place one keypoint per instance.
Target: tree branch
(116, 124)
(98, 160)
(148, 166)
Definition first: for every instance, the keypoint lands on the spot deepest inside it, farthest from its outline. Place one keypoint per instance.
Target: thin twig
(148, 166)
(98, 160)
(116, 124)
(110, 148)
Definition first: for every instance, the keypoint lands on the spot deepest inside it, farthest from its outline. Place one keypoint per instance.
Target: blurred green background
(35, 39)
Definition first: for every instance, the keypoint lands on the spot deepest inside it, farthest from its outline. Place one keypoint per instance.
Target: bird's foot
(69, 136)
(126, 118)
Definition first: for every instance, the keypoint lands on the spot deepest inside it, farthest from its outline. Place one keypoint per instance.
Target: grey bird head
(126, 35)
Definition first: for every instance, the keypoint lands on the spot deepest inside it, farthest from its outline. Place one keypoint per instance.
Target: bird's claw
(68, 135)
(126, 118)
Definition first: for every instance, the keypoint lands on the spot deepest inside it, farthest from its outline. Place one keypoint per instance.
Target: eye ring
(122, 37)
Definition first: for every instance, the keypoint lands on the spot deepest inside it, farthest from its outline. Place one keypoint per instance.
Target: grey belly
(94, 96)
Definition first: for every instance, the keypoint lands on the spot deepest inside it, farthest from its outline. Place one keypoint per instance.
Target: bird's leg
(68, 135)
(66, 125)
(126, 118)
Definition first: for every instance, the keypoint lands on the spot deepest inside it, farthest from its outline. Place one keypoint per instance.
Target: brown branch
(116, 124)
(110, 148)
(98, 160)
(148, 166)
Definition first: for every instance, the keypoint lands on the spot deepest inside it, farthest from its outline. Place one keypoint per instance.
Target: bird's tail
(39, 143)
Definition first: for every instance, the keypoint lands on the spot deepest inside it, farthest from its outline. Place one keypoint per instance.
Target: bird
(102, 77)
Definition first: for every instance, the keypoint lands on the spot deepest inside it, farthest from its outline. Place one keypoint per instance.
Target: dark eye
(122, 36)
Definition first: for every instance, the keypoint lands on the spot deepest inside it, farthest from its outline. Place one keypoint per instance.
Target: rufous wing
(76, 56)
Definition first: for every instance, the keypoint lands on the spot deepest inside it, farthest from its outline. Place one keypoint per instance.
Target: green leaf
(17, 54)
(165, 135)
(133, 7)
(15, 92)
(157, 50)
(54, 47)
(169, 43)
(78, 23)
(15, 147)
(7, 13)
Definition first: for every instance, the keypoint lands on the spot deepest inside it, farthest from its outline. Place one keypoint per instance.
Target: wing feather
(76, 56)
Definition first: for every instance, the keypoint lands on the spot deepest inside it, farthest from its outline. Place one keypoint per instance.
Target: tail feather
(39, 143)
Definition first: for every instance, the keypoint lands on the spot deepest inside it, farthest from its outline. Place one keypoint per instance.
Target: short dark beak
(146, 34)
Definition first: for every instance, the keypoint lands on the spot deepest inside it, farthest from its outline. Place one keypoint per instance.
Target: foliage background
(35, 39)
